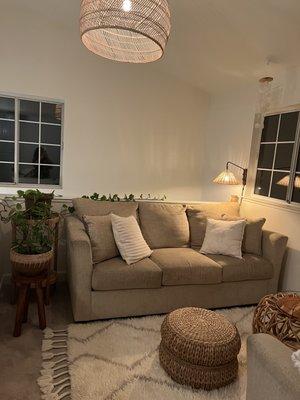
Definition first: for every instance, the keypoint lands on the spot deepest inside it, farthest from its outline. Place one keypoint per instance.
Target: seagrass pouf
(199, 348)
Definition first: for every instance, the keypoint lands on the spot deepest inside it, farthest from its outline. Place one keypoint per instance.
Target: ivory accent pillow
(223, 237)
(129, 239)
(101, 236)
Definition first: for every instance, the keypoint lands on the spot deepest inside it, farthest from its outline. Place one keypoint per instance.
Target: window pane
(279, 187)
(29, 132)
(28, 173)
(288, 125)
(29, 110)
(262, 182)
(7, 130)
(296, 192)
(50, 155)
(6, 172)
(51, 113)
(284, 154)
(29, 153)
(269, 132)
(51, 134)
(7, 151)
(266, 155)
(7, 108)
(49, 175)
(298, 163)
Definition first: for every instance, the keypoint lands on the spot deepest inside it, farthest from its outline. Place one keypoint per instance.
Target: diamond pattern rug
(118, 360)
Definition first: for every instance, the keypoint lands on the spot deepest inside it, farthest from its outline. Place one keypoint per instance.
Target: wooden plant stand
(24, 284)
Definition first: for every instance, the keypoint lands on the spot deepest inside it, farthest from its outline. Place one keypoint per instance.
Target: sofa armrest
(271, 373)
(273, 249)
(80, 268)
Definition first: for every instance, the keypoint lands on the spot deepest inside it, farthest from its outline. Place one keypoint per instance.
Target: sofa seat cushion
(185, 266)
(115, 274)
(250, 267)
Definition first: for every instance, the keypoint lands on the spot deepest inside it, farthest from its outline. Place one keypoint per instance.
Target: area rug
(118, 360)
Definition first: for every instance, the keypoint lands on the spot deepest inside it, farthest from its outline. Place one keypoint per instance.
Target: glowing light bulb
(127, 5)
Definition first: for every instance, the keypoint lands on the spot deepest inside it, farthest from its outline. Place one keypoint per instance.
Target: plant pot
(30, 200)
(31, 264)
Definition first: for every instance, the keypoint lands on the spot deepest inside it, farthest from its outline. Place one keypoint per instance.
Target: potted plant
(33, 234)
(35, 196)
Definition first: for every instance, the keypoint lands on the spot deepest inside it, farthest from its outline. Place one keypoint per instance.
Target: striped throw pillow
(129, 239)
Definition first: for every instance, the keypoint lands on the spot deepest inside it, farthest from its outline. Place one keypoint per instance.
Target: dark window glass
(6, 172)
(296, 192)
(7, 151)
(28, 173)
(262, 182)
(29, 110)
(50, 155)
(288, 126)
(298, 163)
(51, 113)
(7, 130)
(7, 108)
(49, 175)
(29, 153)
(269, 132)
(51, 134)
(284, 154)
(280, 183)
(266, 155)
(29, 132)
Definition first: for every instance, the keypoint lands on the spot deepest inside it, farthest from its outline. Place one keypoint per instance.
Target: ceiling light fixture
(133, 31)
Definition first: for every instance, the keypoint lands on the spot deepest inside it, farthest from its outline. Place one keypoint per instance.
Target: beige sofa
(175, 275)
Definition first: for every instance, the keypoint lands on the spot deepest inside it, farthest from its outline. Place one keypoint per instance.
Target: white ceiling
(214, 44)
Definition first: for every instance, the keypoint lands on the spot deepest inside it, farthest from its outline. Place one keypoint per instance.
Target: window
(278, 166)
(30, 142)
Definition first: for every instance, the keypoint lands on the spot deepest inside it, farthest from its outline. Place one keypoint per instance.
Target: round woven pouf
(199, 348)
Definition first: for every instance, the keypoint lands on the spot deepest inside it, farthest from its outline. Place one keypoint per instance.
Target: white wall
(128, 128)
(228, 136)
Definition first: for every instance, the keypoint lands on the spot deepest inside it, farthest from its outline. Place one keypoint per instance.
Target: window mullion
(290, 188)
(274, 156)
(17, 135)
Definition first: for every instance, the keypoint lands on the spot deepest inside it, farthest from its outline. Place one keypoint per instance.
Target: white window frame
(254, 156)
(40, 100)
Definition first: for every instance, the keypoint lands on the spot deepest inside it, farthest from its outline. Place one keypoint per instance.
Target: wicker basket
(31, 264)
(278, 315)
(199, 348)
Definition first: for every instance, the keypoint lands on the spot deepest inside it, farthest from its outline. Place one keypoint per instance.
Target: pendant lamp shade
(133, 31)
(226, 178)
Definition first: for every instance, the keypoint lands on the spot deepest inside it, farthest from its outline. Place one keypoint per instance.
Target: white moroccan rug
(118, 360)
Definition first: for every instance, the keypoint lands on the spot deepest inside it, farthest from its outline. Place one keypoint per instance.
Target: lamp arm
(245, 171)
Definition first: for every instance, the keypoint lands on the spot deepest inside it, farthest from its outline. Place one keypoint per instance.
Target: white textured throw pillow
(129, 239)
(223, 237)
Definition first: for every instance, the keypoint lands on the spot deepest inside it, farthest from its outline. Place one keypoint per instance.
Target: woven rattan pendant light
(134, 31)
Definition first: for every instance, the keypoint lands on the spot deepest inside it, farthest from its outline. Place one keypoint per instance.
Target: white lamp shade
(226, 178)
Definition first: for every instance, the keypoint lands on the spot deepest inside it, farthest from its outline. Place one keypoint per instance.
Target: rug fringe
(54, 381)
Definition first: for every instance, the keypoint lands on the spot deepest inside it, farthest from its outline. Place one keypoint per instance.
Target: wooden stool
(23, 285)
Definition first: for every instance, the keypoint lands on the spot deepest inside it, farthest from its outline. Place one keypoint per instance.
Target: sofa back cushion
(93, 208)
(198, 214)
(100, 232)
(252, 241)
(164, 225)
